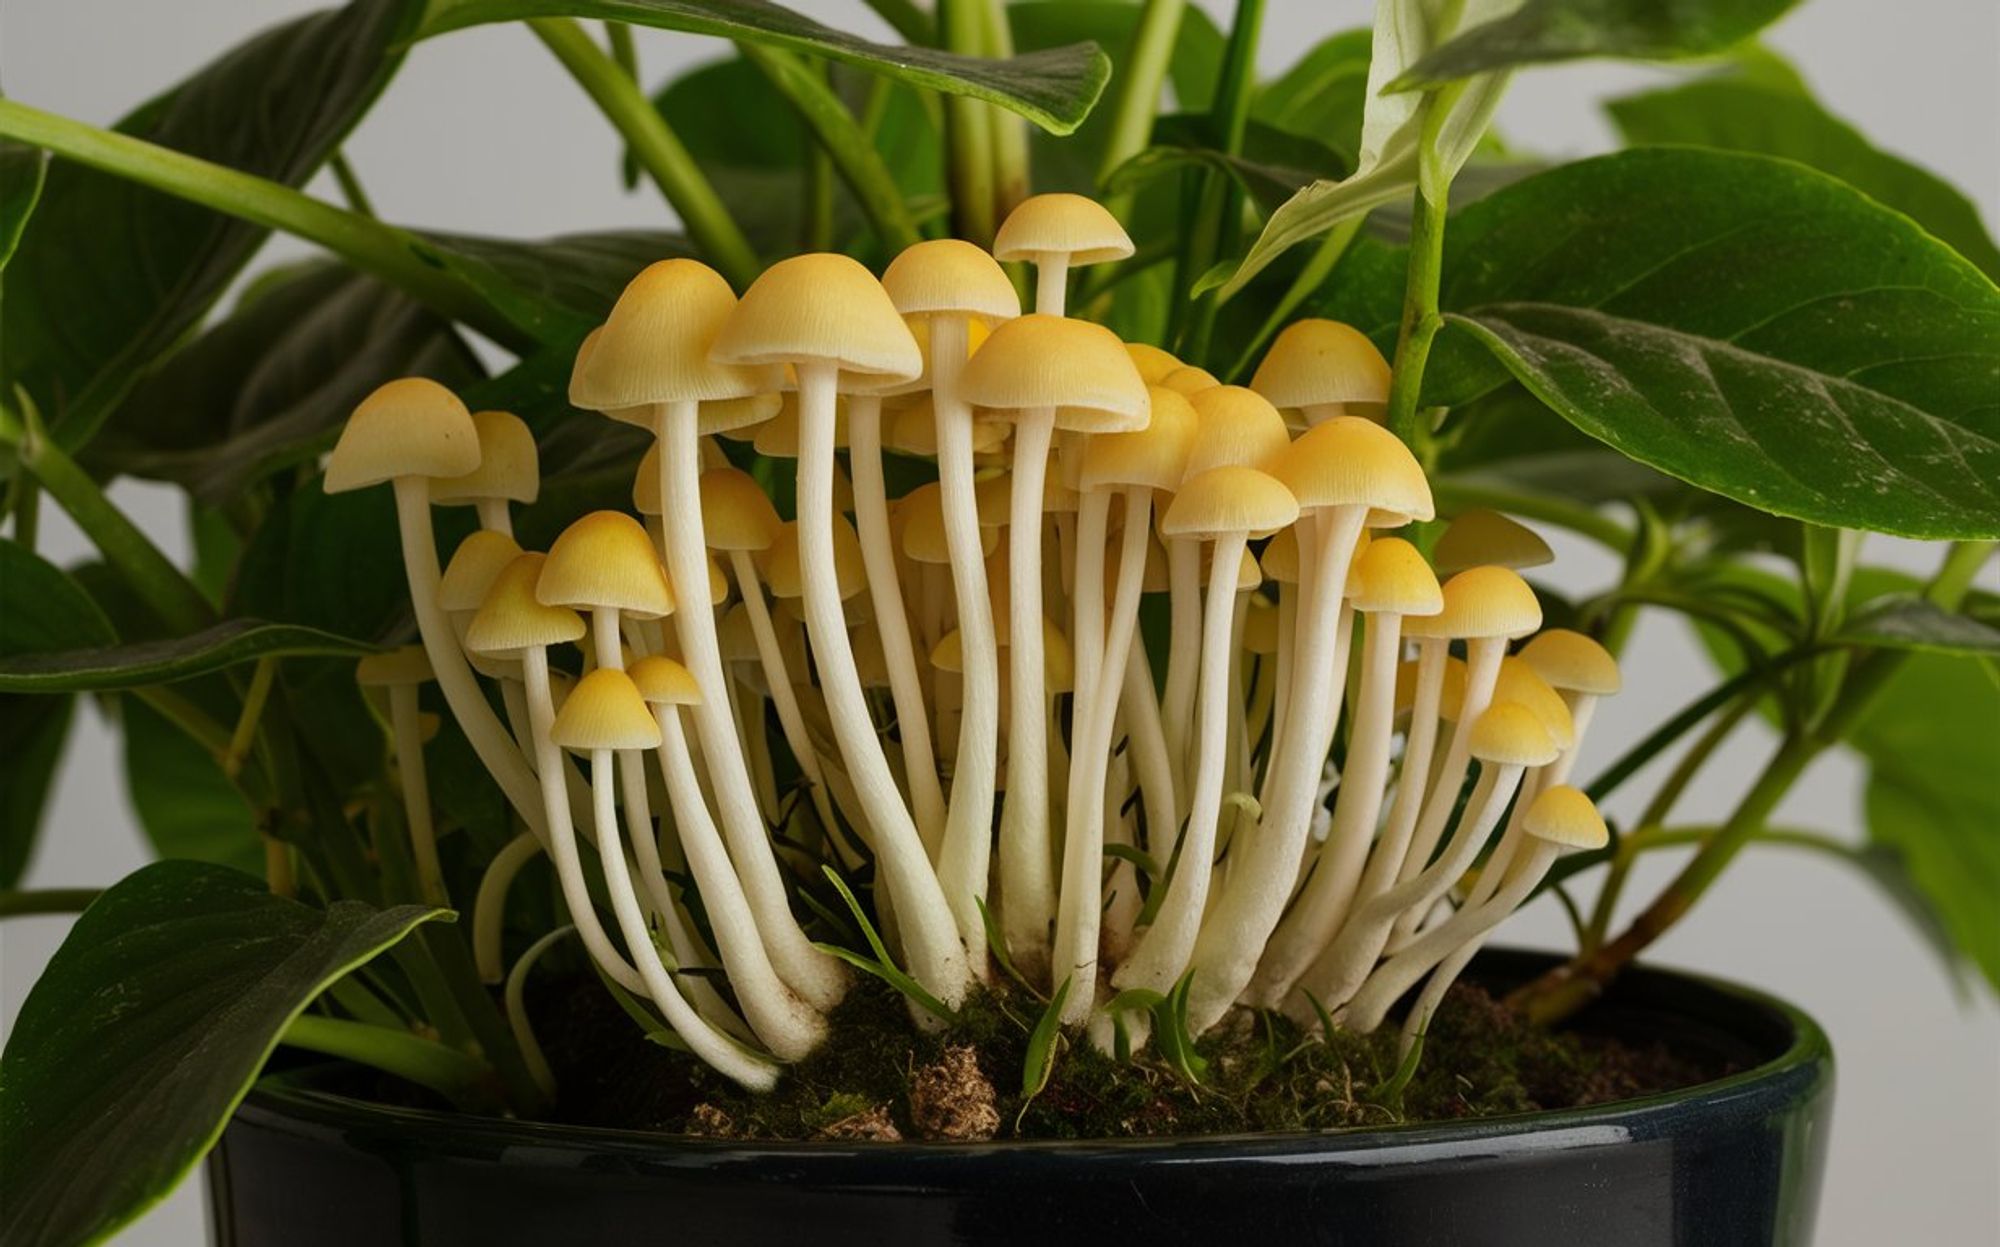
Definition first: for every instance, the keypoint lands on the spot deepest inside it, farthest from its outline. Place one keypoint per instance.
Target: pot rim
(295, 1100)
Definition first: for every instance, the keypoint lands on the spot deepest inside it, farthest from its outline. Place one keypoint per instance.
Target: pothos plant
(1723, 354)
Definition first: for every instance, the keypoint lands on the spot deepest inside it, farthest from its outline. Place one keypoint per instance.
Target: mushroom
(467, 577)
(1044, 371)
(1223, 505)
(1152, 362)
(653, 355)
(509, 471)
(605, 564)
(1324, 369)
(410, 432)
(1487, 538)
(400, 673)
(1058, 232)
(828, 317)
(489, 906)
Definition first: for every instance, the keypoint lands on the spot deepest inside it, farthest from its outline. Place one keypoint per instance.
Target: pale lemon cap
(664, 682)
(1390, 576)
(478, 559)
(1235, 426)
(1348, 461)
(605, 711)
(736, 514)
(1572, 662)
(778, 437)
(605, 561)
(1155, 457)
(1510, 734)
(1078, 368)
(1280, 559)
(820, 308)
(1563, 815)
(1481, 536)
(410, 427)
(1315, 362)
(1061, 224)
(1190, 380)
(512, 619)
(508, 464)
(921, 515)
(785, 576)
(911, 429)
(949, 276)
(1153, 363)
(1229, 500)
(1482, 602)
(407, 664)
(654, 348)
(1519, 684)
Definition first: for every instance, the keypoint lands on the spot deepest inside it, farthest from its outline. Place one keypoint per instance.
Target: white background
(483, 132)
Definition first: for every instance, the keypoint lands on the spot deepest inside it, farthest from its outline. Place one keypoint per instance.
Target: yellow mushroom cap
(921, 512)
(1482, 602)
(820, 308)
(1189, 380)
(1481, 536)
(605, 711)
(778, 437)
(406, 664)
(1229, 500)
(1390, 575)
(952, 277)
(1451, 688)
(1061, 224)
(912, 430)
(508, 464)
(1155, 456)
(1153, 363)
(1248, 574)
(949, 653)
(1519, 684)
(646, 483)
(1572, 662)
(1078, 368)
(478, 559)
(1235, 426)
(1348, 461)
(736, 514)
(729, 417)
(787, 578)
(410, 427)
(654, 348)
(664, 682)
(1280, 560)
(1260, 626)
(1314, 362)
(605, 561)
(1510, 734)
(1563, 815)
(718, 583)
(512, 619)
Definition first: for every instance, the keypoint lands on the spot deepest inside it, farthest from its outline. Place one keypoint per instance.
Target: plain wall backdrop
(483, 132)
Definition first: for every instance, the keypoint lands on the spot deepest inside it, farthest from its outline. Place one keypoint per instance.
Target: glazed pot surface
(1737, 1161)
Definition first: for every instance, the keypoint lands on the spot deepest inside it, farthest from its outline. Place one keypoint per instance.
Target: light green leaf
(145, 1031)
(1273, 167)
(226, 644)
(1055, 89)
(1906, 621)
(1323, 94)
(1540, 31)
(1039, 1061)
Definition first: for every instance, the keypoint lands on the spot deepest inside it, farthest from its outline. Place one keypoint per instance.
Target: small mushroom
(509, 471)
(1324, 369)
(1058, 232)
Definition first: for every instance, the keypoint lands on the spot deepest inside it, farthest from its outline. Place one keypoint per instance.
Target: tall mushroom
(1055, 233)
(509, 471)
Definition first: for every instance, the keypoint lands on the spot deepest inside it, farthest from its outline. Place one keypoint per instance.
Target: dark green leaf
(1055, 89)
(573, 278)
(1271, 169)
(227, 644)
(1744, 116)
(1905, 621)
(110, 275)
(186, 806)
(1322, 94)
(1750, 326)
(1563, 30)
(145, 1031)
(23, 172)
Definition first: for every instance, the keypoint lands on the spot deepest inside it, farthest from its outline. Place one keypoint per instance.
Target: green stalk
(1421, 318)
(860, 165)
(394, 255)
(1325, 258)
(623, 50)
(17, 904)
(1010, 129)
(1138, 91)
(188, 717)
(466, 1081)
(1217, 221)
(908, 19)
(654, 145)
(350, 185)
(968, 129)
(245, 735)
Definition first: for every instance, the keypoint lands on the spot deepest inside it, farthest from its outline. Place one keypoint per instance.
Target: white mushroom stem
(783, 697)
(1149, 752)
(1340, 969)
(1051, 282)
(489, 907)
(1080, 914)
(1317, 914)
(931, 942)
(708, 1043)
(1288, 620)
(965, 859)
(1260, 885)
(1027, 885)
(892, 621)
(495, 517)
(1183, 654)
(483, 730)
(1164, 950)
(813, 974)
(562, 832)
(1385, 862)
(515, 703)
(408, 734)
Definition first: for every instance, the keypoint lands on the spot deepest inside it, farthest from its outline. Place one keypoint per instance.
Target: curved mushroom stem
(1149, 755)
(1164, 950)
(783, 696)
(930, 934)
(1027, 885)
(1183, 655)
(495, 517)
(965, 858)
(1079, 917)
(813, 974)
(1052, 282)
(483, 731)
(1385, 862)
(489, 907)
(408, 734)
(708, 1043)
(892, 621)
(1281, 699)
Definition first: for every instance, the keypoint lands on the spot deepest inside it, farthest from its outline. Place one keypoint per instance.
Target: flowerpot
(1735, 1161)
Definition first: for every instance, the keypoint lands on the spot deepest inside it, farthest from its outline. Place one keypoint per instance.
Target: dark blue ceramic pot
(1733, 1162)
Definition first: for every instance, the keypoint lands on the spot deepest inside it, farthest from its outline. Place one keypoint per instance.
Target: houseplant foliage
(1722, 354)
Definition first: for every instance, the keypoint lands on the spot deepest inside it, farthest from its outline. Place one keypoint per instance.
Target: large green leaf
(23, 172)
(1323, 94)
(145, 1031)
(227, 644)
(1739, 114)
(1750, 326)
(110, 275)
(1562, 30)
(186, 806)
(1055, 89)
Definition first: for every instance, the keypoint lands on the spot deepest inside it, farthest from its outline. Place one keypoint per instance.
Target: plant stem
(654, 145)
(624, 52)
(1216, 223)
(1421, 319)
(16, 904)
(188, 717)
(1325, 258)
(350, 185)
(1741, 684)
(1138, 87)
(968, 129)
(1009, 129)
(391, 254)
(245, 734)
(464, 1080)
(25, 505)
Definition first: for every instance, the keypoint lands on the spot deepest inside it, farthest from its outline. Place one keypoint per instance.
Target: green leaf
(186, 806)
(1039, 1061)
(77, 334)
(1272, 167)
(147, 1029)
(1906, 621)
(1323, 94)
(23, 173)
(1055, 89)
(881, 965)
(1540, 31)
(1749, 326)
(1739, 115)
(226, 644)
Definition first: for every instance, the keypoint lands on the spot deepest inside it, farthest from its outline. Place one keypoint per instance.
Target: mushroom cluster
(1281, 807)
